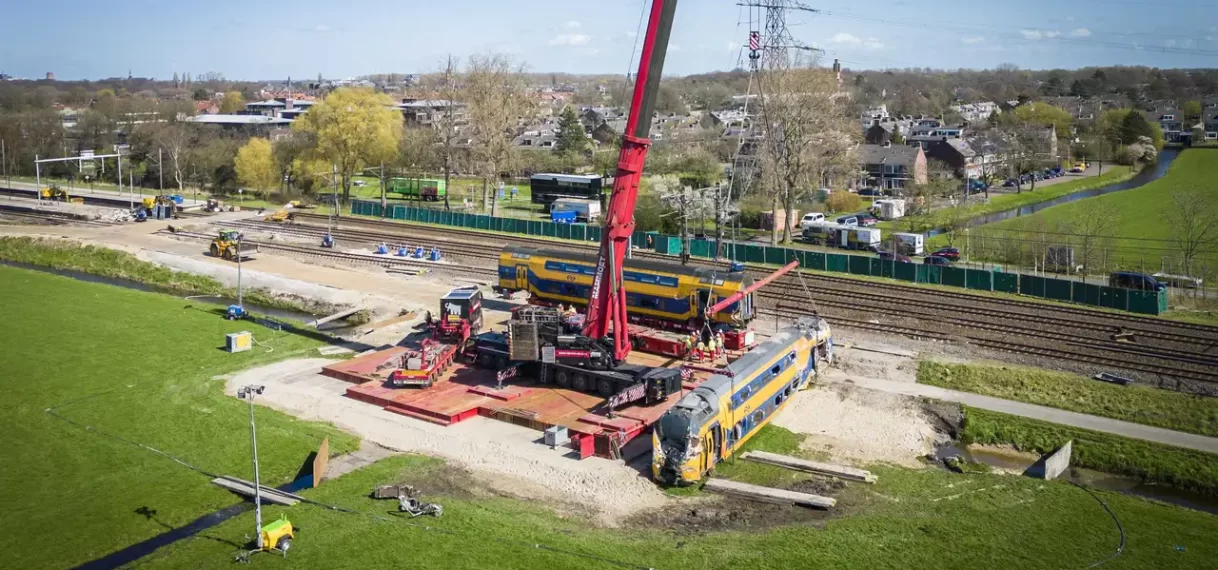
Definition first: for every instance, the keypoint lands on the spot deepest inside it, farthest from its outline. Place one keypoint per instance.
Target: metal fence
(1145, 302)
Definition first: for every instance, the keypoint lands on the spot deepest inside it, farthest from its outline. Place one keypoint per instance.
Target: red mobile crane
(607, 307)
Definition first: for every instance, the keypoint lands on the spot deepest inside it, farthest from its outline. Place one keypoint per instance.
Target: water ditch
(1146, 176)
(1009, 460)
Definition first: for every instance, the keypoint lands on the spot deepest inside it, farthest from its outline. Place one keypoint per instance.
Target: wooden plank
(334, 317)
(246, 488)
(817, 467)
(769, 494)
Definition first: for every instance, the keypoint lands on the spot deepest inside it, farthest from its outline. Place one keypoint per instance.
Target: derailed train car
(663, 295)
(711, 422)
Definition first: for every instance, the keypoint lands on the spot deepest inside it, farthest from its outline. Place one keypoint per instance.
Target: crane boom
(607, 306)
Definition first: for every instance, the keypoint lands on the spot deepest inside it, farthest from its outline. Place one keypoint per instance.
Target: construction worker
(714, 348)
(571, 310)
(689, 346)
(701, 350)
(719, 339)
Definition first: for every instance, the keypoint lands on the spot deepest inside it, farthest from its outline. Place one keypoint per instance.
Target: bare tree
(1093, 230)
(1193, 220)
(496, 104)
(174, 139)
(808, 134)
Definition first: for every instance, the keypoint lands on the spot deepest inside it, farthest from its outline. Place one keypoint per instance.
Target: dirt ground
(506, 458)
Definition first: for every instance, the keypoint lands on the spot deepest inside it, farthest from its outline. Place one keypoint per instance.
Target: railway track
(1051, 331)
(386, 261)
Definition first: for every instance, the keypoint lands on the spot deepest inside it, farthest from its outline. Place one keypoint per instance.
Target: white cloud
(846, 39)
(673, 47)
(843, 38)
(1069, 18)
(1211, 38)
(321, 28)
(1080, 33)
(570, 40)
(972, 39)
(1053, 34)
(1040, 34)
(572, 25)
(1170, 43)
(733, 46)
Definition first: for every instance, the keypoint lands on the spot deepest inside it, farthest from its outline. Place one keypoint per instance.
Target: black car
(936, 260)
(1135, 280)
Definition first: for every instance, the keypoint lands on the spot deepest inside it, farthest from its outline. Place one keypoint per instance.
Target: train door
(522, 277)
(711, 448)
(704, 302)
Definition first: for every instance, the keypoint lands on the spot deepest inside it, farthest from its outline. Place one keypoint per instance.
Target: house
(976, 158)
(881, 130)
(268, 108)
(976, 112)
(925, 138)
(542, 138)
(1172, 123)
(1211, 125)
(889, 166)
(869, 116)
(425, 112)
(206, 108)
(251, 124)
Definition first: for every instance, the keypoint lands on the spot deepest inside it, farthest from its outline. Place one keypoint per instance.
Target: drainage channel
(141, 549)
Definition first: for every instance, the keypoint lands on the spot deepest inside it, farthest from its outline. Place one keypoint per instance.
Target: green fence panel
(1117, 298)
(484, 222)
(954, 276)
(1006, 282)
(814, 260)
(775, 255)
(837, 262)
(979, 279)
(754, 254)
(1032, 285)
(879, 269)
(859, 265)
(906, 272)
(1059, 289)
(700, 248)
(1085, 294)
(562, 230)
(668, 245)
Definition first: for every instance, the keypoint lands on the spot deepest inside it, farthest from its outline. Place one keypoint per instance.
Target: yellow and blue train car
(660, 294)
(712, 421)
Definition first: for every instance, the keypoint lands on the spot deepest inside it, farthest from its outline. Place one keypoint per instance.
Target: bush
(844, 202)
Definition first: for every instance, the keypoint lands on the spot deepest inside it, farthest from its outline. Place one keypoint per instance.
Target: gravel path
(506, 457)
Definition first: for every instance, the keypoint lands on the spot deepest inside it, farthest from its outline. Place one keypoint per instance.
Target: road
(1053, 415)
(113, 194)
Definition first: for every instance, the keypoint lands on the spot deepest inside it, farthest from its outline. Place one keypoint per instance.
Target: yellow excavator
(54, 192)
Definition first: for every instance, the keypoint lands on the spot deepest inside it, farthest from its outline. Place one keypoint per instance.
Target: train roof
(637, 264)
(567, 177)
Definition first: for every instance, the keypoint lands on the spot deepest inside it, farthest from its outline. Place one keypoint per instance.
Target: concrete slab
(769, 494)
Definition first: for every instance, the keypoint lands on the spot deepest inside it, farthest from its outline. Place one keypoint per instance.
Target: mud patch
(709, 513)
(442, 481)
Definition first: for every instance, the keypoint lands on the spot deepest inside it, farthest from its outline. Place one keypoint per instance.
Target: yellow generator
(278, 535)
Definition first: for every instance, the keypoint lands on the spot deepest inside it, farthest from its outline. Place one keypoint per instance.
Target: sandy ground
(505, 457)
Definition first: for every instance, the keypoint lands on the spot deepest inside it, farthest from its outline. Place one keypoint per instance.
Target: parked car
(1010, 183)
(811, 218)
(867, 220)
(850, 220)
(888, 255)
(1135, 280)
(869, 192)
(948, 252)
(936, 260)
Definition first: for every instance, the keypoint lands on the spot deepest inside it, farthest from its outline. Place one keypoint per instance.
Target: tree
(809, 135)
(495, 104)
(897, 139)
(1192, 113)
(844, 202)
(1193, 220)
(232, 102)
(1093, 229)
(1045, 115)
(352, 128)
(201, 94)
(1135, 125)
(255, 165)
(571, 136)
(175, 140)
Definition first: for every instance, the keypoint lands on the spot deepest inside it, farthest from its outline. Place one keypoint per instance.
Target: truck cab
(460, 315)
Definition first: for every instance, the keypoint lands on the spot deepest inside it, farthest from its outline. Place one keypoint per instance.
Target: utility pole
(4, 160)
(248, 393)
(160, 170)
(38, 180)
(384, 200)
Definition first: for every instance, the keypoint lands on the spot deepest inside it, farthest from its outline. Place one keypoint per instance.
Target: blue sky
(265, 39)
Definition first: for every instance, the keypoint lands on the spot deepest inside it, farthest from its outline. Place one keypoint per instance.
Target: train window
(521, 256)
(758, 416)
(791, 356)
(776, 369)
(778, 399)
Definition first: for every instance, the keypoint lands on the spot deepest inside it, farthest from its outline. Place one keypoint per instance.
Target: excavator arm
(607, 307)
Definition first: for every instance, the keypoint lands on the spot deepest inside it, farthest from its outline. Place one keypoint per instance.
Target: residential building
(869, 116)
(425, 112)
(976, 112)
(892, 167)
(541, 138)
(925, 138)
(1172, 122)
(267, 108)
(1211, 125)
(261, 125)
(881, 131)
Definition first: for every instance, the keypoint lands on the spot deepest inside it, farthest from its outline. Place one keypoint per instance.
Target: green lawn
(910, 519)
(1002, 202)
(1143, 232)
(1138, 404)
(1142, 460)
(70, 495)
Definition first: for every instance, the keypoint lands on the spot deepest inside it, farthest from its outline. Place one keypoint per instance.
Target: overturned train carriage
(658, 294)
(712, 421)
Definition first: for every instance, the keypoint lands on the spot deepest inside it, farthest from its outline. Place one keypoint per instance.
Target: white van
(810, 219)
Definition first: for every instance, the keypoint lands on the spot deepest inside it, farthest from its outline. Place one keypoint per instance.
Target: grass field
(1145, 461)
(1002, 202)
(1138, 404)
(1143, 232)
(911, 519)
(62, 254)
(70, 495)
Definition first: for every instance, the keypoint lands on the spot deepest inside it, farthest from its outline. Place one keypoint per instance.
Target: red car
(867, 220)
(948, 252)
